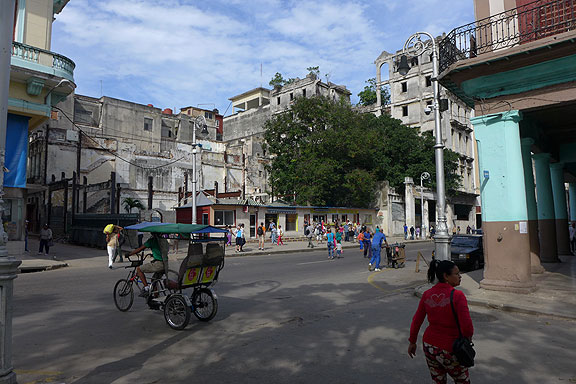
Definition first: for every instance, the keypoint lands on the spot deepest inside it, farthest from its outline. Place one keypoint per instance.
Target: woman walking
(280, 234)
(229, 235)
(330, 244)
(45, 239)
(442, 329)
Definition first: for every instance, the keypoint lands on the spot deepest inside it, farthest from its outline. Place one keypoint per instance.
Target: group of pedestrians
(238, 234)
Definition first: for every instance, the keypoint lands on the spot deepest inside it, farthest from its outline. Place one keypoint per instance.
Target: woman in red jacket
(442, 329)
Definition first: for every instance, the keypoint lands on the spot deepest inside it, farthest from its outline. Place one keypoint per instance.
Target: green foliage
(130, 203)
(277, 80)
(314, 71)
(368, 95)
(328, 154)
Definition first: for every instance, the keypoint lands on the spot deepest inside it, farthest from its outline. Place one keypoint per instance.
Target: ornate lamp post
(423, 176)
(199, 122)
(417, 47)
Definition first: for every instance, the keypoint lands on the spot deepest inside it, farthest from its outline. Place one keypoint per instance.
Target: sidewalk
(555, 294)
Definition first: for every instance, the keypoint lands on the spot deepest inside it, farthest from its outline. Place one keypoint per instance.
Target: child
(338, 250)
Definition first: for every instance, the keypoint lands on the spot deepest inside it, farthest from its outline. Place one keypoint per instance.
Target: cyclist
(159, 247)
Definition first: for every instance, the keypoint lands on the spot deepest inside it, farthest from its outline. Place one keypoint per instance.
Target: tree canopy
(325, 153)
(368, 95)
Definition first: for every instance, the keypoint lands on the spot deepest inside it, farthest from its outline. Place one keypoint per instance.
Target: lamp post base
(442, 245)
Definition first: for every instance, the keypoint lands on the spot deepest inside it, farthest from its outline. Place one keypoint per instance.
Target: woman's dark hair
(438, 269)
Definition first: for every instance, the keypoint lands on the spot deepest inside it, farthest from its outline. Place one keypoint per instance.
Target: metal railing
(43, 57)
(530, 22)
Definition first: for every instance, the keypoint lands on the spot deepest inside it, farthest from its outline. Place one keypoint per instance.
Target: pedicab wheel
(176, 312)
(123, 295)
(204, 303)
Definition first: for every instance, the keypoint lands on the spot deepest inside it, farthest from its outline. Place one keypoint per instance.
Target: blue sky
(176, 53)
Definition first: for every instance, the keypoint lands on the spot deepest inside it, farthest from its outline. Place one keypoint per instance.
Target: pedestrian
(280, 234)
(330, 244)
(367, 243)
(377, 240)
(417, 232)
(458, 230)
(309, 233)
(468, 230)
(346, 232)
(274, 235)
(229, 235)
(453, 231)
(572, 232)
(26, 224)
(411, 232)
(243, 238)
(261, 232)
(176, 243)
(441, 304)
(338, 250)
(338, 236)
(112, 232)
(238, 238)
(361, 239)
(45, 240)
(432, 232)
(405, 232)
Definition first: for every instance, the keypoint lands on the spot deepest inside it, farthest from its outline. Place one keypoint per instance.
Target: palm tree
(130, 203)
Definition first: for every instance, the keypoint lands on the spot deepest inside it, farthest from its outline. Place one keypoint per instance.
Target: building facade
(516, 65)
(410, 100)
(39, 79)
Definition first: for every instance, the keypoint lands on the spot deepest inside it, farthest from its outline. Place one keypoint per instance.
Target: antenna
(101, 93)
(260, 74)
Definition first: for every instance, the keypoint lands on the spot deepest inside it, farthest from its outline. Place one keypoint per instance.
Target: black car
(467, 251)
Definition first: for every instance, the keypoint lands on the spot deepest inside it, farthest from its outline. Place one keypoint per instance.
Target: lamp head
(403, 67)
(204, 130)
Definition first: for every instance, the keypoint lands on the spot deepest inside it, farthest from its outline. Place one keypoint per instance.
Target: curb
(39, 268)
(504, 307)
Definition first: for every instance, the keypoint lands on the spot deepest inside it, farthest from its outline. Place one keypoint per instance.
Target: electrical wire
(109, 151)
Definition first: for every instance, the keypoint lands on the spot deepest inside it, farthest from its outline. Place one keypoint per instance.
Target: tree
(328, 154)
(314, 71)
(277, 80)
(130, 203)
(368, 95)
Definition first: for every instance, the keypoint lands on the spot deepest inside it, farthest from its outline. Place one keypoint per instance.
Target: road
(290, 318)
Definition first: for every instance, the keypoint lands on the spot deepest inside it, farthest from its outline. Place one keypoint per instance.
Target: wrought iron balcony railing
(54, 63)
(530, 22)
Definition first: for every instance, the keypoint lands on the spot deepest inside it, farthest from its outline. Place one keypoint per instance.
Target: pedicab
(187, 290)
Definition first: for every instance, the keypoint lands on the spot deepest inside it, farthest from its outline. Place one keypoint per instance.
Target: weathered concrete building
(253, 108)
(410, 99)
(107, 149)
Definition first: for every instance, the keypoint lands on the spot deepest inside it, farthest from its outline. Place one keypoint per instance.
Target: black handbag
(462, 348)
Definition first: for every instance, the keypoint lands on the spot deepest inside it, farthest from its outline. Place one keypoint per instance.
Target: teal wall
(500, 153)
(544, 187)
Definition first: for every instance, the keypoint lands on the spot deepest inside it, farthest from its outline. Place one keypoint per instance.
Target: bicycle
(124, 288)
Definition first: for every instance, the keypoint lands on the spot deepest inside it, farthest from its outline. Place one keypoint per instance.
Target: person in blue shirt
(330, 243)
(367, 243)
(377, 240)
(405, 232)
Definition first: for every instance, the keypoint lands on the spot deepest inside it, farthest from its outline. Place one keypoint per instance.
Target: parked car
(467, 251)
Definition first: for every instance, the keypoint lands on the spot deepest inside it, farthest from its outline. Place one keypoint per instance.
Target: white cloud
(182, 52)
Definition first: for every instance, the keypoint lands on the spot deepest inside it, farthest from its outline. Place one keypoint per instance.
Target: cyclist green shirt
(152, 243)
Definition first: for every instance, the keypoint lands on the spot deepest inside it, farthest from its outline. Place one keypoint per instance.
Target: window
(291, 222)
(334, 218)
(462, 211)
(208, 115)
(278, 100)
(405, 110)
(259, 173)
(223, 217)
(428, 81)
(404, 86)
(414, 62)
(217, 123)
(303, 93)
(148, 124)
(429, 103)
(291, 96)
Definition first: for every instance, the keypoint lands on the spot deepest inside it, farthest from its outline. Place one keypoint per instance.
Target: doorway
(252, 225)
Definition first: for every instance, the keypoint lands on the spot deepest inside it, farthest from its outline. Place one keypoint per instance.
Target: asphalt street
(289, 318)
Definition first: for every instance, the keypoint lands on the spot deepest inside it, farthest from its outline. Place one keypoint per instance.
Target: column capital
(527, 142)
(541, 156)
(514, 116)
(557, 166)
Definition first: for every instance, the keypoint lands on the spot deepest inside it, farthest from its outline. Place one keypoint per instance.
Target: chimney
(151, 105)
(167, 111)
(216, 189)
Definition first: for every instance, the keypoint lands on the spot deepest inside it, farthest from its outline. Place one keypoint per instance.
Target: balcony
(43, 61)
(528, 23)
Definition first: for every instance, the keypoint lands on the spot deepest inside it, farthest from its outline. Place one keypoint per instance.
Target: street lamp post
(199, 122)
(418, 47)
(423, 176)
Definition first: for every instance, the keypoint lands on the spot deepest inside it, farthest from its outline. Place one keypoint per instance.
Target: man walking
(309, 232)
(377, 240)
(367, 243)
(412, 232)
(261, 232)
(346, 232)
(405, 232)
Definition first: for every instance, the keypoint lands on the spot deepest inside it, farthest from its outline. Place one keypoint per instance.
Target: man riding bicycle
(159, 247)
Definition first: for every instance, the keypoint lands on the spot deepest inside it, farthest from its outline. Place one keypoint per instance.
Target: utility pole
(8, 264)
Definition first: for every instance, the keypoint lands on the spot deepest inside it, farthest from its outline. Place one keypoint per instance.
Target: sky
(178, 53)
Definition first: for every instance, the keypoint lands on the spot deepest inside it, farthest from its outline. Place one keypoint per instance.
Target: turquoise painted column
(530, 190)
(572, 197)
(560, 208)
(504, 207)
(546, 216)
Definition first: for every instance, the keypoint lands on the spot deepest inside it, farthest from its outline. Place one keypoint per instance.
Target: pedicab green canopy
(178, 228)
